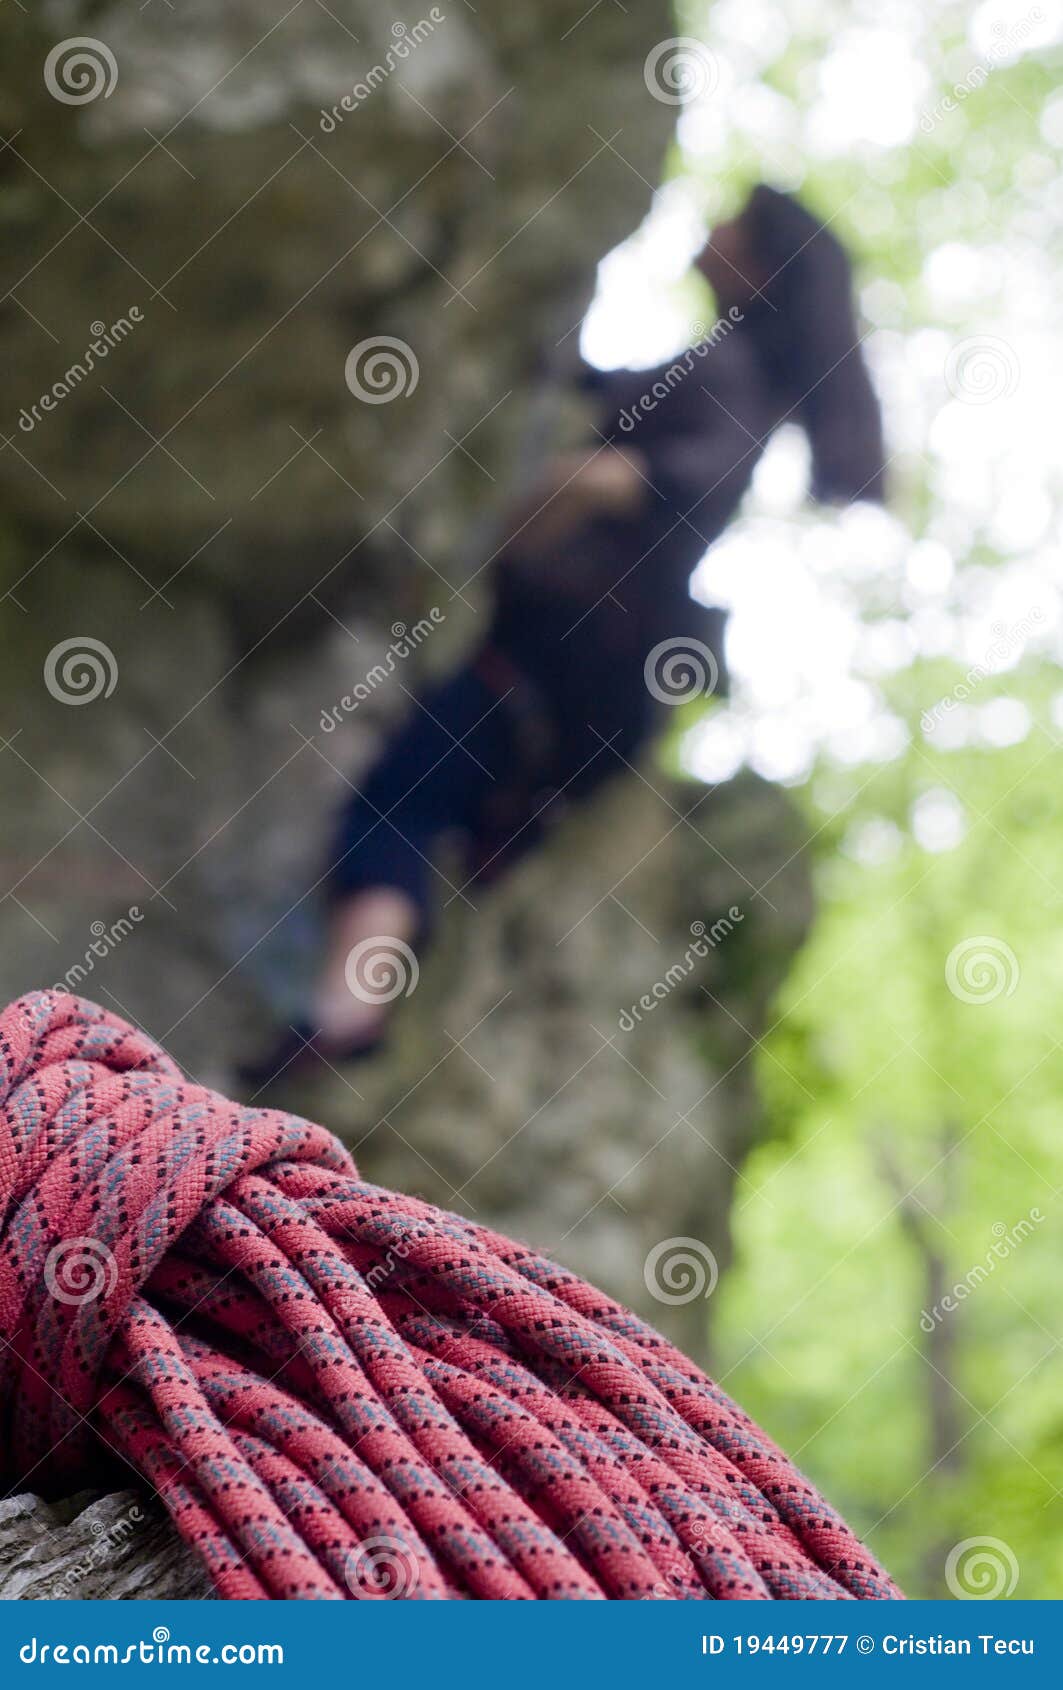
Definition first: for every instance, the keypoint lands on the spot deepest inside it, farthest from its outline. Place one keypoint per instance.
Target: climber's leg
(375, 928)
(572, 743)
(431, 780)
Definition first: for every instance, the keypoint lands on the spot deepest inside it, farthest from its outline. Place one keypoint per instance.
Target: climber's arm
(709, 437)
(606, 480)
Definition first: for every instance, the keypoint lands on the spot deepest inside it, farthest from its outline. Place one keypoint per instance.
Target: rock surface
(225, 530)
(116, 1547)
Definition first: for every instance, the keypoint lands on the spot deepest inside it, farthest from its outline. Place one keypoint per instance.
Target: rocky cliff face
(225, 519)
(206, 490)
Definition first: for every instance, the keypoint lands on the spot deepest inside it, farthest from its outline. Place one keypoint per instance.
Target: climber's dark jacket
(579, 620)
(556, 698)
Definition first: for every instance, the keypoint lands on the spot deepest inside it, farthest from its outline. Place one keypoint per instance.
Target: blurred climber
(593, 624)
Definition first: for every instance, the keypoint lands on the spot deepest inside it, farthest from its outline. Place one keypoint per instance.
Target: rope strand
(339, 1392)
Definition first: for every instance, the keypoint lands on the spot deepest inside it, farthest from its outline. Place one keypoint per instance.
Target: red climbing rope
(338, 1391)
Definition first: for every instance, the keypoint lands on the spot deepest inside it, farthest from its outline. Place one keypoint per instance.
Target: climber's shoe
(300, 1051)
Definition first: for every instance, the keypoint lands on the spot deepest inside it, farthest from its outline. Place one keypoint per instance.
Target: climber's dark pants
(459, 765)
(432, 779)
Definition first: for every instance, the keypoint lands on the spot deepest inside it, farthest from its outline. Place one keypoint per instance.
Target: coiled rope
(340, 1392)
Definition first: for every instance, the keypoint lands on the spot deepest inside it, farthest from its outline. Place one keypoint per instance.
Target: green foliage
(873, 1052)
(913, 1078)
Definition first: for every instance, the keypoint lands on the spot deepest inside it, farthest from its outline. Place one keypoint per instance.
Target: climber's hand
(611, 479)
(578, 485)
(729, 264)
